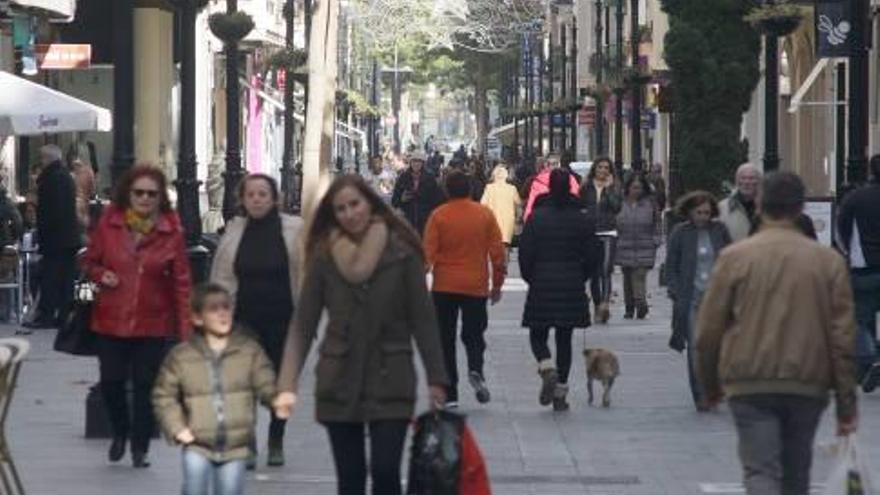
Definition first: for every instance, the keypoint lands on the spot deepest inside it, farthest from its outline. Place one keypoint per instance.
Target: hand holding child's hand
(283, 404)
(185, 437)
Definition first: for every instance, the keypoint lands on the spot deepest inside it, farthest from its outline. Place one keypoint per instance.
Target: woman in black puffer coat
(558, 253)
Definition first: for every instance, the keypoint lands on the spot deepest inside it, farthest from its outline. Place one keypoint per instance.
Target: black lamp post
(287, 159)
(771, 101)
(187, 183)
(234, 171)
(123, 87)
(858, 93)
(574, 86)
(619, 93)
(636, 112)
(530, 95)
(541, 72)
(515, 106)
(600, 74)
(551, 72)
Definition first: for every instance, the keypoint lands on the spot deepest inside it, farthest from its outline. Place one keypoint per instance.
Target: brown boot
(559, 396)
(549, 380)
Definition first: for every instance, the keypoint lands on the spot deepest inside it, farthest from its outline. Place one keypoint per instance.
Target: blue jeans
(866, 295)
(696, 387)
(199, 473)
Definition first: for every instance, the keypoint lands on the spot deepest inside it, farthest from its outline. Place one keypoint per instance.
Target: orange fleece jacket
(461, 237)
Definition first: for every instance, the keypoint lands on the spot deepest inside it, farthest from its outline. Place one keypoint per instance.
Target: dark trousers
(600, 284)
(776, 434)
(270, 329)
(866, 296)
(635, 289)
(137, 360)
(349, 456)
(57, 273)
(474, 321)
(538, 339)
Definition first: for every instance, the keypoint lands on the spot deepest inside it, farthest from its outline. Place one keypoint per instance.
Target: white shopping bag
(849, 475)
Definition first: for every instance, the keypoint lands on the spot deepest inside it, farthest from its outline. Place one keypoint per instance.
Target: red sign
(587, 116)
(60, 56)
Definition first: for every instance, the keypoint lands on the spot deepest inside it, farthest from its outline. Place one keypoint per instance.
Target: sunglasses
(150, 193)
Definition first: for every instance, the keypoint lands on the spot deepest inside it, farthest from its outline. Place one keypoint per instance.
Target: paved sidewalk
(650, 442)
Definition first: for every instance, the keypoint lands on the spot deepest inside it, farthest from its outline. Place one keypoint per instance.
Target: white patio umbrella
(27, 108)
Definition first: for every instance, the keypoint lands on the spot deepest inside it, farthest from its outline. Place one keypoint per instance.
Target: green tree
(713, 56)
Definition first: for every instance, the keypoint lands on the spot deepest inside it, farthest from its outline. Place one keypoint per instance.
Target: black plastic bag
(435, 460)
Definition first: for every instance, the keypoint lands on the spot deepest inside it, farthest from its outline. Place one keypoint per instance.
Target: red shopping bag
(473, 477)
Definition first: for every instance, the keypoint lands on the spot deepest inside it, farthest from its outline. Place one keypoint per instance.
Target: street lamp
(287, 167)
(600, 74)
(636, 121)
(619, 92)
(187, 182)
(236, 28)
(771, 101)
(858, 92)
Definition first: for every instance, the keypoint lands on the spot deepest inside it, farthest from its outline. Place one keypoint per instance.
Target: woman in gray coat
(639, 229)
(692, 250)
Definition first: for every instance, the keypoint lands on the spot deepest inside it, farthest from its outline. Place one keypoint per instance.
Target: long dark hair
(560, 187)
(325, 218)
(602, 159)
(122, 194)
(641, 179)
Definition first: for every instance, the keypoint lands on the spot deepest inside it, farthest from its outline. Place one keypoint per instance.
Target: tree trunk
(320, 113)
(481, 104)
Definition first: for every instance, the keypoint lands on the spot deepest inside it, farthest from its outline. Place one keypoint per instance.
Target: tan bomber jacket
(778, 318)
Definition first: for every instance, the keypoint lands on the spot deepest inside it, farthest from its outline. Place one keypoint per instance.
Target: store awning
(27, 108)
(60, 9)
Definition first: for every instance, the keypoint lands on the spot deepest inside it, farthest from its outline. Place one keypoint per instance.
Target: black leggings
(538, 338)
(600, 284)
(386, 451)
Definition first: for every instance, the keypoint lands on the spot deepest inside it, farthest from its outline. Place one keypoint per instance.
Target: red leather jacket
(152, 298)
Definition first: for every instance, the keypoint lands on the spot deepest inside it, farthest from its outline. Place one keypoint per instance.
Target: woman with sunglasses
(258, 262)
(137, 256)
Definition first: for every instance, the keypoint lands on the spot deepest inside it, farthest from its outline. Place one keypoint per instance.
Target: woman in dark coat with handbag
(692, 249)
(558, 252)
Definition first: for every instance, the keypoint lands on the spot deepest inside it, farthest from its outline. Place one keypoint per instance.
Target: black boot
(117, 448)
(628, 315)
(642, 312)
(139, 459)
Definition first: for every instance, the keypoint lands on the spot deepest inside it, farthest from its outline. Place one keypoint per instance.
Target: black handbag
(75, 335)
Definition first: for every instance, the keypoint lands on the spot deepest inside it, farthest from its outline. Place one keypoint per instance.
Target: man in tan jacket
(776, 332)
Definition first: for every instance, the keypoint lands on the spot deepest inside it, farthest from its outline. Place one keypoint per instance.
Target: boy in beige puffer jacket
(206, 392)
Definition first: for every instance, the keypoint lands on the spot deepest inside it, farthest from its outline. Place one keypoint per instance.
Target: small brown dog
(602, 365)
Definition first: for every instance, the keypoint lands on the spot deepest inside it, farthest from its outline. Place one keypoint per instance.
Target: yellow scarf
(137, 223)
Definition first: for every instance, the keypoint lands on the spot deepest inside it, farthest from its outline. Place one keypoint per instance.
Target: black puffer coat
(558, 253)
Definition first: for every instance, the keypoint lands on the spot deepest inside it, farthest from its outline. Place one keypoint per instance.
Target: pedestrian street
(649, 442)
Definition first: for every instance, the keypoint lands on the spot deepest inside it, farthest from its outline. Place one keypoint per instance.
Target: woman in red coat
(137, 256)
